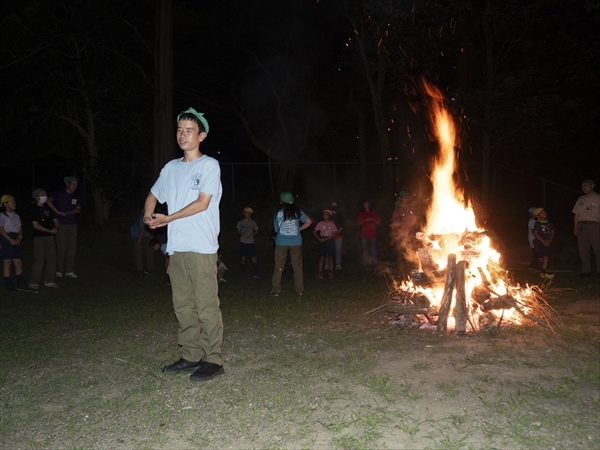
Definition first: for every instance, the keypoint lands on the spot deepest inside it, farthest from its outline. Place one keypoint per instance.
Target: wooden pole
(442, 323)
(460, 308)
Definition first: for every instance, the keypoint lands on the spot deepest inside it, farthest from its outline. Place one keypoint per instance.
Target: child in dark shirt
(543, 231)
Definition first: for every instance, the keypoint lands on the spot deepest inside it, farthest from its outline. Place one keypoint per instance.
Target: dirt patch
(588, 308)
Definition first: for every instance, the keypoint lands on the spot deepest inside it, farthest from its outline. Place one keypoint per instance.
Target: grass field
(80, 367)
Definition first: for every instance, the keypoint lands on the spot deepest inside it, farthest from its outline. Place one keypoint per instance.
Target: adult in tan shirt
(587, 226)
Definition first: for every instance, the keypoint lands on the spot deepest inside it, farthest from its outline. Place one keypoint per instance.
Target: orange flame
(447, 213)
(451, 226)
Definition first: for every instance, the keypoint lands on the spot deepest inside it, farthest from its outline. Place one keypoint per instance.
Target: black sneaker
(207, 371)
(183, 365)
(24, 288)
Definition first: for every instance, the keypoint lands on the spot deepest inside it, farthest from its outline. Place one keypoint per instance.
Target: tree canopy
(298, 81)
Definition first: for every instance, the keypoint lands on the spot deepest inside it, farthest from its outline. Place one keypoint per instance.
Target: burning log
(442, 322)
(422, 301)
(503, 302)
(480, 294)
(472, 238)
(460, 309)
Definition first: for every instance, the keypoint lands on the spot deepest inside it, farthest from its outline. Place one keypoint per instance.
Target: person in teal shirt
(288, 223)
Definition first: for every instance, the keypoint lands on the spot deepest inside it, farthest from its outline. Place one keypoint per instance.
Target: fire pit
(459, 283)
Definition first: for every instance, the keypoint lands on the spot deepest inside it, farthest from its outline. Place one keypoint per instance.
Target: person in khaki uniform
(191, 187)
(587, 226)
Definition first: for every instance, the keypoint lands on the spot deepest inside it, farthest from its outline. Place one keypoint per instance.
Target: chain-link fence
(512, 192)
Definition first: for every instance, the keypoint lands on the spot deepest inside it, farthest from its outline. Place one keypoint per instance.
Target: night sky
(294, 77)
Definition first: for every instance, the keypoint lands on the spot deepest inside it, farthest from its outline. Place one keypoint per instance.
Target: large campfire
(459, 283)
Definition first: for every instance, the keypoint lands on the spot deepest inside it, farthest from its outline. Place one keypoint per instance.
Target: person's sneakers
(146, 272)
(50, 285)
(319, 276)
(34, 286)
(70, 275)
(275, 294)
(58, 275)
(183, 365)
(546, 275)
(257, 276)
(338, 268)
(585, 274)
(331, 275)
(24, 288)
(207, 371)
(222, 280)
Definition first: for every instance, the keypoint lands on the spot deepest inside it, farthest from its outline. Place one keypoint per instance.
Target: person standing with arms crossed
(191, 187)
(587, 226)
(67, 205)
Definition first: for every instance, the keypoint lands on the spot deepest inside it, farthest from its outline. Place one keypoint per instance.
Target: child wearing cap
(11, 235)
(288, 223)
(543, 231)
(45, 227)
(248, 229)
(324, 232)
(67, 205)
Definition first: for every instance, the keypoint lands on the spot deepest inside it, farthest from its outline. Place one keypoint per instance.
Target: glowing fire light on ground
(452, 229)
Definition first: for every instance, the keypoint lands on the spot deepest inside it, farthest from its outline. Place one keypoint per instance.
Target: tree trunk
(382, 129)
(376, 86)
(286, 180)
(164, 147)
(363, 181)
(490, 76)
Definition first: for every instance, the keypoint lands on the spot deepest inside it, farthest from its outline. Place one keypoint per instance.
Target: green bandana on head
(68, 180)
(199, 115)
(35, 193)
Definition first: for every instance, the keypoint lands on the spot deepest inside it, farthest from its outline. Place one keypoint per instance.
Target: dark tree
(79, 87)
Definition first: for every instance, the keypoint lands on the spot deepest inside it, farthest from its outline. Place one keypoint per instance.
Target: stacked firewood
(478, 311)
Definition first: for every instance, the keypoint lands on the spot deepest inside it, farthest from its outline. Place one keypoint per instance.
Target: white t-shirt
(10, 221)
(179, 184)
